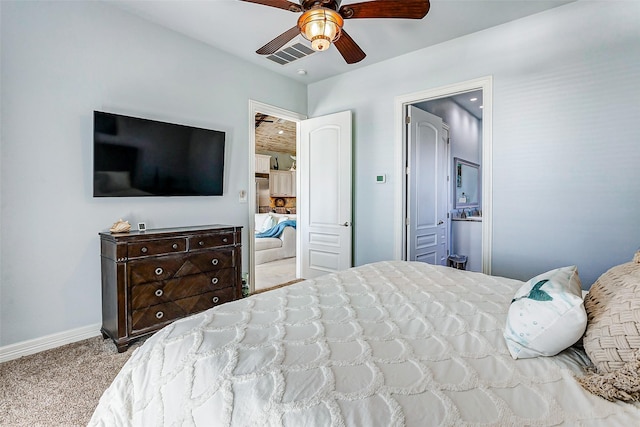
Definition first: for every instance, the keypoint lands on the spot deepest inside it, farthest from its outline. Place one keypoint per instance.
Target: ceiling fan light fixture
(321, 26)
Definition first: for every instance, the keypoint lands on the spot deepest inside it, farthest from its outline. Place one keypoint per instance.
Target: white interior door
(427, 188)
(324, 196)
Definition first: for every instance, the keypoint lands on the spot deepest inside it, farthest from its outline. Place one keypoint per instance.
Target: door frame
(401, 102)
(256, 107)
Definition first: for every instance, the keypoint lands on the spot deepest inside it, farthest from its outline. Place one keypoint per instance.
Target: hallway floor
(275, 273)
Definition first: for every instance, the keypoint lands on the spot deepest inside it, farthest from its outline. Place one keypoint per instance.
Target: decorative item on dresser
(151, 278)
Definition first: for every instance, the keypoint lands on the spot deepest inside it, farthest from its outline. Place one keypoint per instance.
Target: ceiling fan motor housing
(321, 26)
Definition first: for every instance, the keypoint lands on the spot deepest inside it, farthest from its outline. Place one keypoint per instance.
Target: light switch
(243, 196)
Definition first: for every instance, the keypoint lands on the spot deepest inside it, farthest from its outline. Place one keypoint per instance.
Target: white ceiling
(240, 28)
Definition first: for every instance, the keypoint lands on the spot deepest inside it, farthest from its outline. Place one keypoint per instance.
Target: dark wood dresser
(151, 278)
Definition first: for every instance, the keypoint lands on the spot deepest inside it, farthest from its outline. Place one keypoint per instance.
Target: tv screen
(134, 157)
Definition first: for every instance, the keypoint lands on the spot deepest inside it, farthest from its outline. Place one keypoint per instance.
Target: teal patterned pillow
(546, 314)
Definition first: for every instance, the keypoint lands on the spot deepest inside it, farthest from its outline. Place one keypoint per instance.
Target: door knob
(440, 222)
(346, 224)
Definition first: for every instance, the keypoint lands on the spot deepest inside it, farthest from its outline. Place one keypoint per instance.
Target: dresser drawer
(153, 293)
(211, 241)
(156, 247)
(162, 268)
(214, 259)
(157, 315)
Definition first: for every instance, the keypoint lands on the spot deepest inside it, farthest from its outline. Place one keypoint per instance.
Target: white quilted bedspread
(385, 344)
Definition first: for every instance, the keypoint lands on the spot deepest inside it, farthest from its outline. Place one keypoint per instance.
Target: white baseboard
(25, 348)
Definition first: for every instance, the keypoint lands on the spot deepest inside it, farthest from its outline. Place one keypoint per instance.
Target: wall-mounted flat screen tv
(135, 157)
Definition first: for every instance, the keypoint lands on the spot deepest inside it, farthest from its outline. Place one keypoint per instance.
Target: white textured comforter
(385, 344)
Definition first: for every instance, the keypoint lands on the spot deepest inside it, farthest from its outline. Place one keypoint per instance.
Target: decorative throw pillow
(546, 315)
(259, 220)
(612, 339)
(268, 223)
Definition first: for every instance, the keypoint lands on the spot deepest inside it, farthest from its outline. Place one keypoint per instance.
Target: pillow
(546, 315)
(612, 338)
(259, 220)
(613, 310)
(268, 223)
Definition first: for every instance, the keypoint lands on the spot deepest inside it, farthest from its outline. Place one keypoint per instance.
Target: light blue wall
(566, 143)
(60, 61)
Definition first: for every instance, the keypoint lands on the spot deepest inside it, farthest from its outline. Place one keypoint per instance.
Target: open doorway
(275, 218)
(324, 194)
(458, 118)
(438, 101)
(273, 242)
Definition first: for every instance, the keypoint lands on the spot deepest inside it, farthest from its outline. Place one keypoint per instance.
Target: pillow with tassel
(612, 338)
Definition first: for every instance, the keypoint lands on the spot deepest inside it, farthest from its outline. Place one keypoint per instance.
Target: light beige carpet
(58, 387)
(62, 386)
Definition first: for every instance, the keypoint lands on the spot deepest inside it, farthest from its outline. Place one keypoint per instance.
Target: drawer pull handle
(214, 280)
(144, 250)
(175, 246)
(159, 271)
(225, 240)
(159, 292)
(215, 300)
(159, 315)
(201, 243)
(214, 261)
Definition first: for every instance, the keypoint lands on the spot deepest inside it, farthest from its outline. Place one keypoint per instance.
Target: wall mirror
(466, 184)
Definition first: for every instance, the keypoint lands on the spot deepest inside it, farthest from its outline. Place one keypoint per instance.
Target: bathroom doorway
(460, 123)
(455, 106)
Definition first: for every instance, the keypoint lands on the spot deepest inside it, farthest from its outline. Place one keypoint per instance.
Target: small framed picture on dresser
(142, 226)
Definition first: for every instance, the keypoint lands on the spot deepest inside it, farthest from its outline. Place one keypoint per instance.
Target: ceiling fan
(322, 20)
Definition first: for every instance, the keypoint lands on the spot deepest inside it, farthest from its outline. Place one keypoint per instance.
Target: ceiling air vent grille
(291, 53)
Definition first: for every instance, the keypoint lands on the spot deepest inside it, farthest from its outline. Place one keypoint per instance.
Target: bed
(385, 344)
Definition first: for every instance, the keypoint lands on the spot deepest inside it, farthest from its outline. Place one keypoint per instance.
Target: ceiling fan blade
(405, 9)
(280, 4)
(278, 42)
(349, 49)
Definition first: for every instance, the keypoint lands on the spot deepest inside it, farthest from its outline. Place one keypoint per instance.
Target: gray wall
(60, 61)
(565, 136)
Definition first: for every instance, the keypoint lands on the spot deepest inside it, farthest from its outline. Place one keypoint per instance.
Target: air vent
(291, 52)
